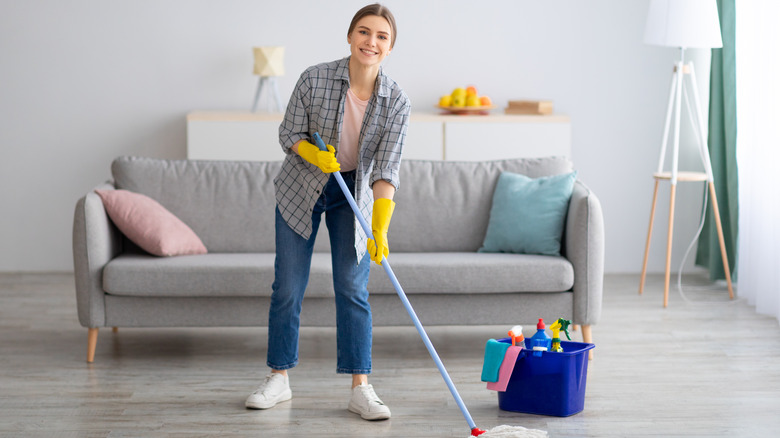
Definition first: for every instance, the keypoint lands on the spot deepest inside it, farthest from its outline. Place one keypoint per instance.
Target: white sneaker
(367, 404)
(274, 389)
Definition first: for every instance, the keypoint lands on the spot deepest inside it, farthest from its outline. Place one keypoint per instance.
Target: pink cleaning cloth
(505, 372)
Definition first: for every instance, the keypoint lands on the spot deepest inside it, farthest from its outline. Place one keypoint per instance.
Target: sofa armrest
(584, 247)
(95, 241)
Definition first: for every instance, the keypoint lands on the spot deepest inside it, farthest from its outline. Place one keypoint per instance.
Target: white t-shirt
(354, 111)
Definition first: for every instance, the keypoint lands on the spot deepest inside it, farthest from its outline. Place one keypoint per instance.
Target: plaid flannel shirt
(317, 105)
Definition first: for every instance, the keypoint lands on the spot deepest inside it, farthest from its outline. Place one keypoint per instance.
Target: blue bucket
(549, 384)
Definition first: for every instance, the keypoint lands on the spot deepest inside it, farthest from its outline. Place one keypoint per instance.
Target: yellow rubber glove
(380, 222)
(325, 160)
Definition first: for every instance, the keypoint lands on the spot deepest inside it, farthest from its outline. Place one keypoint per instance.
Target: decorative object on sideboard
(683, 24)
(269, 63)
(532, 107)
(465, 101)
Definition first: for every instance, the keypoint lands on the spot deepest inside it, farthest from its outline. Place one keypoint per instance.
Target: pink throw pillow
(149, 225)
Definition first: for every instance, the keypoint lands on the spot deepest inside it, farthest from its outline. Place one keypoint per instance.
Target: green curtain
(723, 149)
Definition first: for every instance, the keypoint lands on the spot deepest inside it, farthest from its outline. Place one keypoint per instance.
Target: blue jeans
(350, 278)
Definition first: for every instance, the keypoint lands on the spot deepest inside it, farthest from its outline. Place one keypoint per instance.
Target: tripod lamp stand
(683, 24)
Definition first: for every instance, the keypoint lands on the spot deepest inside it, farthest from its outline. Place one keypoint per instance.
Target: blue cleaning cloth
(494, 356)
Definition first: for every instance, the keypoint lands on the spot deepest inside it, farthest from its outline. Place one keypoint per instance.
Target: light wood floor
(704, 370)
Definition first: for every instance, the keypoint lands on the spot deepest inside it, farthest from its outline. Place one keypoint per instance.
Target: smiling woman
(370, 43)
(363, 115)
(371, 37)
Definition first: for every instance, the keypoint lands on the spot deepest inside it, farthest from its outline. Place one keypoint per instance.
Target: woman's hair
(378, 10)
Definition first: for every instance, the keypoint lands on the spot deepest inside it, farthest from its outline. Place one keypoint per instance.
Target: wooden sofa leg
(115, 329)
(92, 334)
(587, 336)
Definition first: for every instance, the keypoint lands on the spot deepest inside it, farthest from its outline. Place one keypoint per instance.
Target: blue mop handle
(385, 264)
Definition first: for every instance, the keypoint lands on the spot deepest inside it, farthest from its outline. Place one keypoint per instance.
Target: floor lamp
(269, 63)
(683, 24)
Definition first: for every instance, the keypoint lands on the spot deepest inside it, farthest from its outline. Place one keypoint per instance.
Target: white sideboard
(233, 135)
(241, 135)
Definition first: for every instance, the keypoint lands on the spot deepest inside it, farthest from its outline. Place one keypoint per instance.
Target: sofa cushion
(237, 275)
(444, 206)
(207, 275)
(528, 214)
(468, 272)
(149, 225)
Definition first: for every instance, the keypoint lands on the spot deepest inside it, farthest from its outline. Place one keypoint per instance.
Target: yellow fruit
(473, 100)
(458, 101)
(445, 100)
(459, 92)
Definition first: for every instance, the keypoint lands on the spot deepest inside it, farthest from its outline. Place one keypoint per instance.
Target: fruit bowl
(466, 110)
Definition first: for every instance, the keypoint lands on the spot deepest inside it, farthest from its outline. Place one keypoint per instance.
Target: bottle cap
(540, 325)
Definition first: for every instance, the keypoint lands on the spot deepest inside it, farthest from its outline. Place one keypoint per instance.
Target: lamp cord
(685, 257)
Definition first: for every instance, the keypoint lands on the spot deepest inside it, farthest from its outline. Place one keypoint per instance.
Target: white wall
(82, 82)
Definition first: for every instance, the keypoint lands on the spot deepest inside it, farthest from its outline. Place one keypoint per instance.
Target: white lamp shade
(269, 61)
(683, 23)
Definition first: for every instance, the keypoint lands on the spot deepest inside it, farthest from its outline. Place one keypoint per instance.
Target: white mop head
(513, 432)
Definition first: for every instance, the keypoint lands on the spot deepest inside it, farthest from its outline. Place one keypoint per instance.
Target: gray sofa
(439, 223)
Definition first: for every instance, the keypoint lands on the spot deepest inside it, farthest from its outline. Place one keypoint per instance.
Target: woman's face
(370, 40)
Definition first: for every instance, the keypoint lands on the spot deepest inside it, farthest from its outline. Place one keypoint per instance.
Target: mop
(496, 432)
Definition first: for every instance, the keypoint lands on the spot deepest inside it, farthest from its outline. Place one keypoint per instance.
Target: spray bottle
(560, 324)
(540, 341)
(516, 333)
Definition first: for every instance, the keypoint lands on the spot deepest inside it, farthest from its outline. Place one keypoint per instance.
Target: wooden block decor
(537, 107)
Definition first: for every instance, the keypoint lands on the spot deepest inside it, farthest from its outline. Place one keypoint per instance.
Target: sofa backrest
(228, 204)
(444, 206)
(441, 205)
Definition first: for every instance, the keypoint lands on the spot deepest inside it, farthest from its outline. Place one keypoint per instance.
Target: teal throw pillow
(528, 214)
